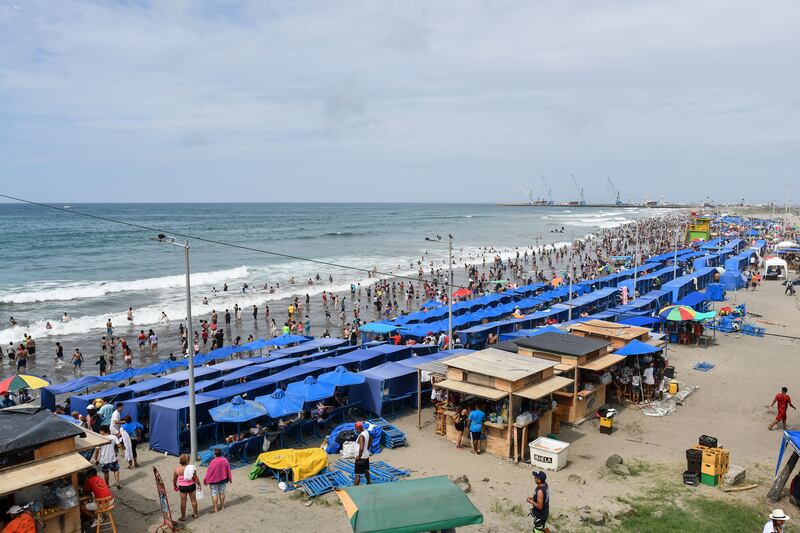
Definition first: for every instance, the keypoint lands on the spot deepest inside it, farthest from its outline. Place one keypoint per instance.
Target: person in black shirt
(540, 502)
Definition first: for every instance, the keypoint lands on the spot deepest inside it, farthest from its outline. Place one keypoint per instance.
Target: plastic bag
(199, 495)
(67, 497)
(349, 450)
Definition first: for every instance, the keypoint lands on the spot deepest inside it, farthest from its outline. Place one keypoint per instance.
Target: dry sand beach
(730, 402)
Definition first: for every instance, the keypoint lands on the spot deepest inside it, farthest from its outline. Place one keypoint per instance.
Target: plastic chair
(104, 513)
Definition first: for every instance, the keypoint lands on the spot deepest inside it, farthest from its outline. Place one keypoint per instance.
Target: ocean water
(56, 262)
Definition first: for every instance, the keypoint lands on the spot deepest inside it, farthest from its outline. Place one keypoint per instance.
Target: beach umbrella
(677, 313)
(22, 381)
(341, 377)
(237, 410)
(555, 282)
(460, 293)
(636, 347)
(280, 404)
(705, 316)
(311, 390)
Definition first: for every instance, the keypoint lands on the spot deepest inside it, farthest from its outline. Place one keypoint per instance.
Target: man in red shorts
(783, 400)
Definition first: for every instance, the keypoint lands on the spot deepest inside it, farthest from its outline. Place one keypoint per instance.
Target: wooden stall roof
(563, 367)
(91, 440)
(611, 329)
(534, 392)
(500, 364)
(601, 363)
(475, 390)
(560, 344)
(38, 472)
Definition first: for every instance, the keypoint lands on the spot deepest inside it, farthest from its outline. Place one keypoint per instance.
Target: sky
(442, 101)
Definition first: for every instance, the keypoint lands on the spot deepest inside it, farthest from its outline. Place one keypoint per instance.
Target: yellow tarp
(304, 463)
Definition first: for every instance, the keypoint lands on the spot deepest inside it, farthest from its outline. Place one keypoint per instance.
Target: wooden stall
(509, 385)
(584, 360)
(618, 335)
(45, 458)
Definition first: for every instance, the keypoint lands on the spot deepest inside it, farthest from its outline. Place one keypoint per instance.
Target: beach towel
(126, 441)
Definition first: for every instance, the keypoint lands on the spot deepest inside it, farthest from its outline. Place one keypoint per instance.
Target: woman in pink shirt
(217, 477)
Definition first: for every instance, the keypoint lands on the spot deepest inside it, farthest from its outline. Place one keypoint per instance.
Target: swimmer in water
(65, 318)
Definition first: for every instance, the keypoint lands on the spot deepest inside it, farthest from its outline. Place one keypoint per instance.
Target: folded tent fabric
(304, 463)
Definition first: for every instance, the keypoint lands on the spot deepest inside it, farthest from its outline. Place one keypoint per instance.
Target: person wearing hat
(22, 521)
(777, 519)
(540, 502)
(362, 458)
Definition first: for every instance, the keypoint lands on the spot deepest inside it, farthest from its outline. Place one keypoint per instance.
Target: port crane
(580, 191)
(613, 189)
(548, 191)
(529, 192)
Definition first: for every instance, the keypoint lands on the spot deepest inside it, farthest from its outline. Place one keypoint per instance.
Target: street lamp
(438, 239)
(166, 239)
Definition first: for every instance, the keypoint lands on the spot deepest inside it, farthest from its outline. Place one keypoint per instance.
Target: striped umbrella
(22, 381)
(677, 313)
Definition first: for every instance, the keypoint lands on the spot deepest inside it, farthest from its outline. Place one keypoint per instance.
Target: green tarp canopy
(410, 506)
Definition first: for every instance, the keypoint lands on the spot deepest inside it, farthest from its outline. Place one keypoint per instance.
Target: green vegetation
(678, 509)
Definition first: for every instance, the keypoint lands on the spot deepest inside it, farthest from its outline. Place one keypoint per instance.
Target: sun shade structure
(555, 343)
(237, 410)
(21, 381)
(409, 506)
(311, 390)
(280, 404)
(460, 293)
(341, 377)
(283, 340)
(32, 427)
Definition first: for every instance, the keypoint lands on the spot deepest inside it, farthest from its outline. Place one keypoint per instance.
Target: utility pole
(190, 343)
(569, 272)
(450, 293)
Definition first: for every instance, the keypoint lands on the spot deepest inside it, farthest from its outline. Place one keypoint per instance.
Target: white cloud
(455, 97)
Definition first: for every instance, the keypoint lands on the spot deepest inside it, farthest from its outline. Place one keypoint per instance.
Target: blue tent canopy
(643, 321)
(291, 374)
(431, 304)
(233, 364)
(116, 394)
(283, 340)
(636, 347)
(280, 404)
(149, 385)
(237, 410)
(311, 390)
(202, 371)
(341, 377)
(133, 406)
(168, 419)
(389, 380)
(253, 388)
(377, 327)
(790, 438)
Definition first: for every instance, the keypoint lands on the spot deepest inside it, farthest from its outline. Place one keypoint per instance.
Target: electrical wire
(219, 243)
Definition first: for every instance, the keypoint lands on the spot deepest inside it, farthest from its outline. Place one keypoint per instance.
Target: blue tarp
(253, 371)
(150, 385)
(133, 407)
(283, 340)
(306, 348)
(375, 433)
(169, 417)
(716, 292)
(251, 389)
(642, 321)
(636, 347)
(233, 364)
(695, 300)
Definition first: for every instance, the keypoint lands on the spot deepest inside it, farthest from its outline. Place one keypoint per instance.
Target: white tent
(775, 266)
(776, 261)
(786, 244)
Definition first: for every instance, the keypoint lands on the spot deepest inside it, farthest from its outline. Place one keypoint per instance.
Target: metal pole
(190, 345)
(450, 295)
(675, 257)
(635, 262)
(569, 272)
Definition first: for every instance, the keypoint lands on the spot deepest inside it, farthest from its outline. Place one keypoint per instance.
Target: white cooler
(548, 454)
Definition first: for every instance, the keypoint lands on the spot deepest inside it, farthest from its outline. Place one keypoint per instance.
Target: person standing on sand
(540, 502)
(783, 400)
(476, 419)
(362, 457)
(217, 477)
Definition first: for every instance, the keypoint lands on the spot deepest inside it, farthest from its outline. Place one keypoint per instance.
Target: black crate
(691, 478)
(710, 442)
(694, 466)
(694, 454)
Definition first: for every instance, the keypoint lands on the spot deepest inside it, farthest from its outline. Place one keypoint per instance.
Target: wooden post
(419, 397)
(774, 493)
(510, 425)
